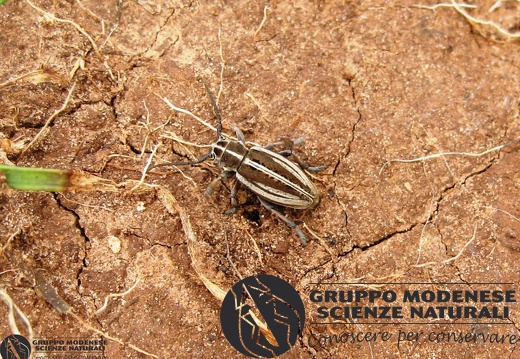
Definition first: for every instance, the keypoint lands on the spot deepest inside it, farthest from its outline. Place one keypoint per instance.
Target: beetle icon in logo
(262, 316)
(15, 346)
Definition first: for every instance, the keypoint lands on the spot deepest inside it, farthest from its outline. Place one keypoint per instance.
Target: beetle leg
(287, 152)
(216, 181)
(234, 201)
(239, 133)
(304, 165)
(283, 143)
(290, 223)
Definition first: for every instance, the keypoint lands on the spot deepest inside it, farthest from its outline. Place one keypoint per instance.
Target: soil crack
(83, 234)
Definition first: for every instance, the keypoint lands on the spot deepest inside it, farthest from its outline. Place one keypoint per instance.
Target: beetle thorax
(228, 154)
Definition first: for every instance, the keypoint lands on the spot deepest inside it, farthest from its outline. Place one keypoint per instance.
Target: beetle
(270, 175)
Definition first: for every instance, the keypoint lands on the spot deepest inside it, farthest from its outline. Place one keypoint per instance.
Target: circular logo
(15, 346)
(262, 316)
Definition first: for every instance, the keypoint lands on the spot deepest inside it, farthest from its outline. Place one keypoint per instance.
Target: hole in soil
(253, 216)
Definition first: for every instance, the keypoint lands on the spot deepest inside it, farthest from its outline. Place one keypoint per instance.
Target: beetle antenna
(186, 163)
(215, 109)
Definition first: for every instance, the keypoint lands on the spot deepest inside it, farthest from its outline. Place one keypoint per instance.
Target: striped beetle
(271, 176)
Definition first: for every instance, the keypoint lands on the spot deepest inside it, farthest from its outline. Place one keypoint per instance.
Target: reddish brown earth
(367, 83)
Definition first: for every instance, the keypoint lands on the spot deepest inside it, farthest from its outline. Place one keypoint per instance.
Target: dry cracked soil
(412, 106)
